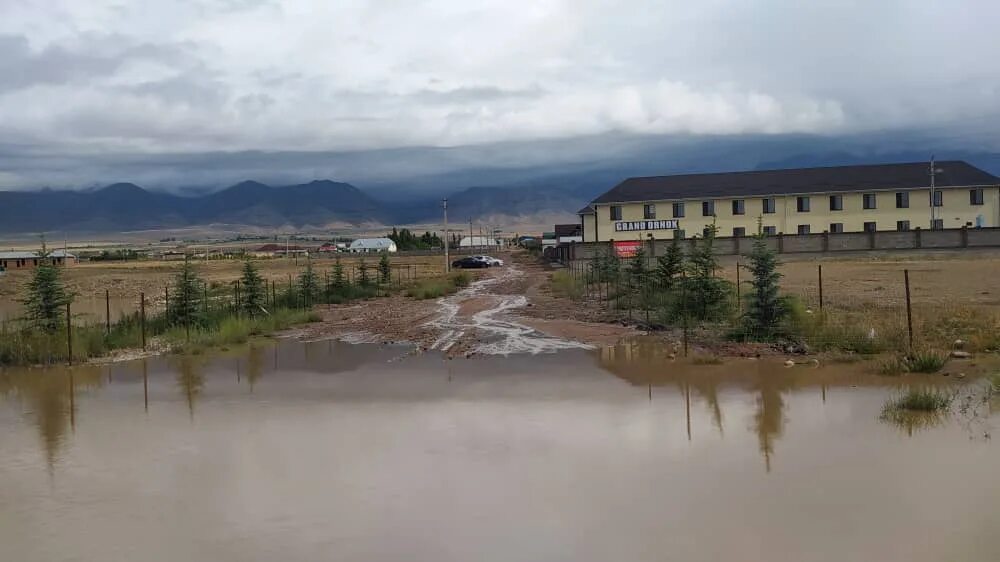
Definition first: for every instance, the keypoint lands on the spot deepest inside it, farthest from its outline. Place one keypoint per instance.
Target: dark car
(470, 263)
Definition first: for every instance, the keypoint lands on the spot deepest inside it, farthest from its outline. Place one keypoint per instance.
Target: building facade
(10, 261)
(883, 197)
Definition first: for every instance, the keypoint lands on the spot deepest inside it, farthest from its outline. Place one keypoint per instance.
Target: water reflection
(645, 361)
(190, 379)
(48, 399)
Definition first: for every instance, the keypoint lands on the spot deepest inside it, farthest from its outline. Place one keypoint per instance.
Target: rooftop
(875, 177)
(32, 255)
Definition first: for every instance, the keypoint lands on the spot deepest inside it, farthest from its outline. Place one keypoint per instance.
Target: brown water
(327, 451)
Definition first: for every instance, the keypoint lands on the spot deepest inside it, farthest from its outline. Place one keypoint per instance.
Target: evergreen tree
(363, 279)
(254, 294)
(605, 266)
(384, 268)
(707, 293)
(637, 267)
(669, 266)
(765, 309)
(185, 296)
(46, 300)
(339, 280)
(309, 284)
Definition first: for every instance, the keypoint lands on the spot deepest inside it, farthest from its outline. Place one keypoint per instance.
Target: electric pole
(447, 263)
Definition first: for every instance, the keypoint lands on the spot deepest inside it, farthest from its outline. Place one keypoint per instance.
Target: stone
(957, 354)
(961, 375)
(959, 344)
(789, 363)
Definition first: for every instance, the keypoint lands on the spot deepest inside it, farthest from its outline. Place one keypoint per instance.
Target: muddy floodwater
(331, 451)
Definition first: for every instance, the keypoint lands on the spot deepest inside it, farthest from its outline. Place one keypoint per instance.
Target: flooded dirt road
(332, 451)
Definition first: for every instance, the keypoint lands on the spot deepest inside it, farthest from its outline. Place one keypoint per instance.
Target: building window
(649, 212)
(802, 204)
(976, 196)
(938, 199)
(678, 210)
(708, 208)
(768, 205)
(937, 224)
(679, 234)
(902, 200)
(870, 226)
(739, 231)
(803, 229)
(770, 230)
(868, 201)
(739, 207)
(616, 213)
(902, 226)
(836, 202)
(836, 227)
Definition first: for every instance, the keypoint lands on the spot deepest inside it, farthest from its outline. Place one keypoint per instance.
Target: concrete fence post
(917, 241)
(965, 236)
(781, 242)
(871, 239)
(826, 240)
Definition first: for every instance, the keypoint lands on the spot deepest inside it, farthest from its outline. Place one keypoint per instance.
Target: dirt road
(506, 310)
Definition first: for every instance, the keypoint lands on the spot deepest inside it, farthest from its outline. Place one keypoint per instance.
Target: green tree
(669, 266)
(706, 293)
(309, 284)
(46, 299)
(637, 267)
(604, 266)
(384, 268)
(186, 294)
(254, 290)
(765, 309)
(338, 280)
(363, 279)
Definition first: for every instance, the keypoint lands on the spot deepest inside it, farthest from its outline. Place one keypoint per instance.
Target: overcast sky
(148, 77)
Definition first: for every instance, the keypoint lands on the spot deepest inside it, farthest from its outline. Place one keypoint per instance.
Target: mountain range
(317, 204)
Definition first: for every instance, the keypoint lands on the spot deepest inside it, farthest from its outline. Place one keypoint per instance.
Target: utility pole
(932, 192)
(447, 263)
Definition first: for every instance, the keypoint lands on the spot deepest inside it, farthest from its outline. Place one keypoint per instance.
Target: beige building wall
(955, 212)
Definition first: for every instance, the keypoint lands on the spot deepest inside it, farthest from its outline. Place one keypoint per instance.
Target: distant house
(566, 233)
(479, 242)
(330, 248)
(279, 250)
(372, 245)
(10, 261)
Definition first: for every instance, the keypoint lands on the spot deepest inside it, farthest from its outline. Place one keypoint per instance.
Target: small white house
(372, 245)
(479, 242)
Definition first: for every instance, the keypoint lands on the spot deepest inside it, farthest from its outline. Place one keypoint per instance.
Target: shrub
(565, 284)
(916, 400)
(926, 361)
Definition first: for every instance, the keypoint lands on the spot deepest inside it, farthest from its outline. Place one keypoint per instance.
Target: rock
(959, 344)
(672, 355)
(814, 362)
(957, 354)
(945, 374)
(789, 363)
(961, 375)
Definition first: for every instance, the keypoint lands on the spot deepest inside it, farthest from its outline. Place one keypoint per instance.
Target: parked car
(470, 262)
(494, 262)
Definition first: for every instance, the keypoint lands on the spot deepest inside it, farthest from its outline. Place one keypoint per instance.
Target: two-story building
(947, 194)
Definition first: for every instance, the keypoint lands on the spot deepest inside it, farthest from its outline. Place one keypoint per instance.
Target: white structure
(479, 242)
(372, 245)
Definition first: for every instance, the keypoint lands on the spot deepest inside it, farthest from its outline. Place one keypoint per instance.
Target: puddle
(327, 450)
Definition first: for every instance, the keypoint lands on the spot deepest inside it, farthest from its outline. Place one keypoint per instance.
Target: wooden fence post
(909, 309)
(142, 319)
(69, 333)
(107, 310)
(819, 273)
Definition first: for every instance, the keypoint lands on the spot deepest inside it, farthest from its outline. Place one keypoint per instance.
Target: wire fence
(96, 327)
(849, 317)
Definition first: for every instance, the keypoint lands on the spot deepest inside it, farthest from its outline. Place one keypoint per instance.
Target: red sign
(627, 248)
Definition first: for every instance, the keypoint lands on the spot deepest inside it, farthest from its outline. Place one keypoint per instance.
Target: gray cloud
(154, 79)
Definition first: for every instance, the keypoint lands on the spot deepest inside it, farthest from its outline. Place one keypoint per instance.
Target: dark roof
(953, 173)
(588, 210)
(568, 230)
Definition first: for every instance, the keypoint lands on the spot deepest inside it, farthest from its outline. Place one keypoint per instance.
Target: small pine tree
(384, 268)
(765, 309)
(309, 284)
(706, 292)
(637, 269)
(363, 279)
(669, 266)
(46, 300)
(339, 280)
(186, 295)
(254, 291)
